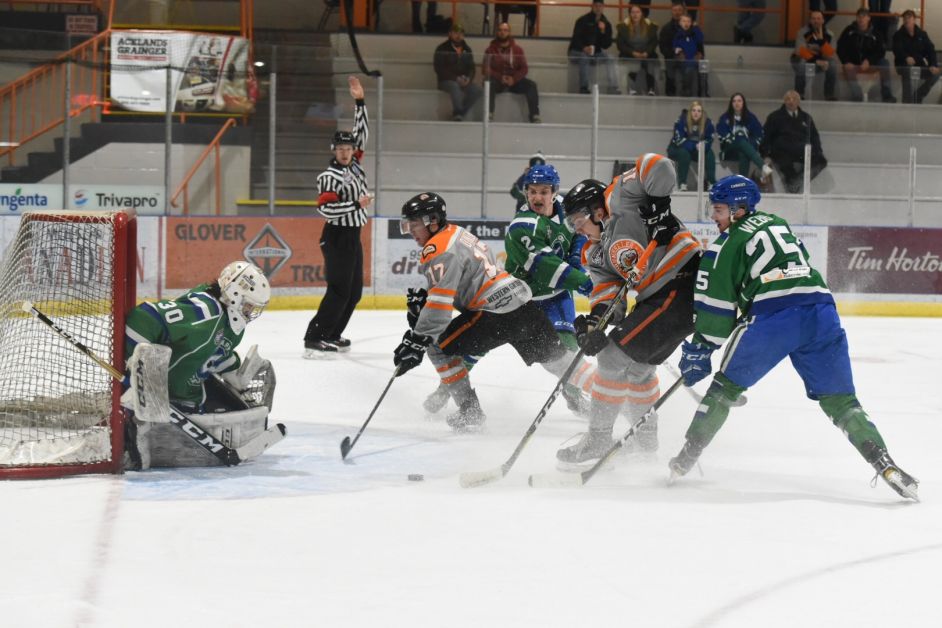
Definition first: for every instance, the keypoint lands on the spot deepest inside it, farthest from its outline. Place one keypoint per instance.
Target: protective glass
(406, 225)
(575, 220)
(251, 311)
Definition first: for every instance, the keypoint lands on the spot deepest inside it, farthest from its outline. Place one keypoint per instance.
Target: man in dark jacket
(505, 66)
(454, 66)
(591, 35)
(786, 131)
(915, 59)
(665, 42)
(862, 51)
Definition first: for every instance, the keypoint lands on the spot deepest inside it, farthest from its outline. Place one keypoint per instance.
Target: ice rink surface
(782, 529)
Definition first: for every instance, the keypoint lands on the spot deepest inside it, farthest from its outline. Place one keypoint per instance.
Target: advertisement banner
(16, 198)
(208, 72)
(886, 260)
(286, 249)
(397, 258)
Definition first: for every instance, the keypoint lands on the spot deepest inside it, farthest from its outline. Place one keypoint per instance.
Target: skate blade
(469, 429)
(576, 467)
(895, 480)
(315, 354)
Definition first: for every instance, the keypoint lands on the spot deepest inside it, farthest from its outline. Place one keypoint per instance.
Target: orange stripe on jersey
(599, 287)
(647, 401)
(487, 284)
(437, 306)
(607, 398)
(607, 194)
(653, 158)
(438, 243)
(450, 365)
(454, 378)
(638, 329)
(445, 291)
(666, 268)
(650, 384)
(444, 343)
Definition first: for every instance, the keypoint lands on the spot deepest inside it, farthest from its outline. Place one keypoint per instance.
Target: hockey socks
(846, 413)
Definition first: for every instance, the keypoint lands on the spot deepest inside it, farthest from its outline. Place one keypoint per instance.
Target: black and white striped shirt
(339, 188)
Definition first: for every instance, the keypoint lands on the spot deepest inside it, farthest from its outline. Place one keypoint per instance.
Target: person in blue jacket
(739, 132)
(691, 127)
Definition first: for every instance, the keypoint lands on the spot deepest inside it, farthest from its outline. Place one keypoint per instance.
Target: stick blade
(556, 480)
(345, 447)
(472, 479)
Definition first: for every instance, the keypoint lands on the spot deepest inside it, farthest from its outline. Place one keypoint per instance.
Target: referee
(342, 198)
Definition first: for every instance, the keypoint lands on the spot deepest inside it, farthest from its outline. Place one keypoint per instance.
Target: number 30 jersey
(196, 329)
(463, 274)
(759, 266)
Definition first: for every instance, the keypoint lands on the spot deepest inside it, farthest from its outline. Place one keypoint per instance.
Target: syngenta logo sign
(18, 200)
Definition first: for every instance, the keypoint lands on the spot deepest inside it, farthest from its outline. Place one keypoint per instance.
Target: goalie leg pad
(170, 447)
(148, 396)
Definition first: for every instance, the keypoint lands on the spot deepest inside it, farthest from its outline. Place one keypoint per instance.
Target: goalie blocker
(232, 426)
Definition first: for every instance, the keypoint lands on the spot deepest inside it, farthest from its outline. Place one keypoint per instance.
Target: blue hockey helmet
(542, 174)
(736, 191)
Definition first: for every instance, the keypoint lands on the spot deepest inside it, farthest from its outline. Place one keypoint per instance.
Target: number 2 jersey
(463, 274)
(758, 266)
(195, 327)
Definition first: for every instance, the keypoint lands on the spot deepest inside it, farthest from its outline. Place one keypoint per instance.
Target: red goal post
(60, 412)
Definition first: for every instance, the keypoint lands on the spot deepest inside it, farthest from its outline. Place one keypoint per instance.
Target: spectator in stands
(505, 66)
(518, 189)
(786, 131)
(691, 127)
(688, 50)
(636, 40)
(591, 35)
(527, 8)
(454, 67)
(814, 44)
(830, 7)
(665, 41)
(915, 52)
(740, 133)
(747, 20)
(862, 51)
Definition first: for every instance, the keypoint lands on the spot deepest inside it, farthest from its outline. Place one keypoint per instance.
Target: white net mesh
(55, 403)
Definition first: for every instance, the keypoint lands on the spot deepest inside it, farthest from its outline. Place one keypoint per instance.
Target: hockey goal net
(59, 411)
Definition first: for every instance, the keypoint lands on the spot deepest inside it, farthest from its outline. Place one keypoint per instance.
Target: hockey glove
(410, 351)
(657, 216)
(591, 339)
(575, 252)
(415, 301)
(695, 361)
(585, 288)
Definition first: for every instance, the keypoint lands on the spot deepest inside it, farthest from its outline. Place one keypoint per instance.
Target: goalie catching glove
(254, 380)
(410, 351)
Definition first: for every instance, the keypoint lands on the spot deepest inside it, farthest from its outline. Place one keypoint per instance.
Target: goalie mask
(245, 292)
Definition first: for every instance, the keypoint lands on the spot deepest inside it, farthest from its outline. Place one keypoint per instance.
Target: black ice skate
(469, 417)
(682, 463)
(586, 452)
(317, 349)
(900, 481)
(437, 400)
(342, 344)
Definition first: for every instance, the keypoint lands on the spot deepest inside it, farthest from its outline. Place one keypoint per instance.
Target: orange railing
(217, 172)
(33, 104)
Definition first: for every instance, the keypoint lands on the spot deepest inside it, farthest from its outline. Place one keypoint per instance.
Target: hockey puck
(416, 477)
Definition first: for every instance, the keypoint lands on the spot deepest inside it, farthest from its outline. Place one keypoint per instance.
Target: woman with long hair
(740, 132)
(692, 127)
(637, 41)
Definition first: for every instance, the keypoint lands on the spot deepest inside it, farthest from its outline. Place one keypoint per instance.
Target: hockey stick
(226, 455)
(346, 444)
(559, 480)
(741, 401)
(351, 34)
(471, 479)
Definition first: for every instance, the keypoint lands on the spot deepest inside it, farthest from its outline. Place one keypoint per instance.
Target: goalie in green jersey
(182, 352)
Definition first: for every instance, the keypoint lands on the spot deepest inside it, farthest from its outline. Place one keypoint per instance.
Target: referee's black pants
(343, 262)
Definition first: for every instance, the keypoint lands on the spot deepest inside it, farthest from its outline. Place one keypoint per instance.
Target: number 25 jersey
(463, 274)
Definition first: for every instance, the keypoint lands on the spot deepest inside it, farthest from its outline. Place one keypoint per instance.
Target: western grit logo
(268, 250)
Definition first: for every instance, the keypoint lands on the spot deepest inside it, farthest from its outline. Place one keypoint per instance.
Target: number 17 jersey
(758, 266)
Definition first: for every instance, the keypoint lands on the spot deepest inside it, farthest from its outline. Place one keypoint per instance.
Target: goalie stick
(227, 455)
(471, 479)
(560, 480)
